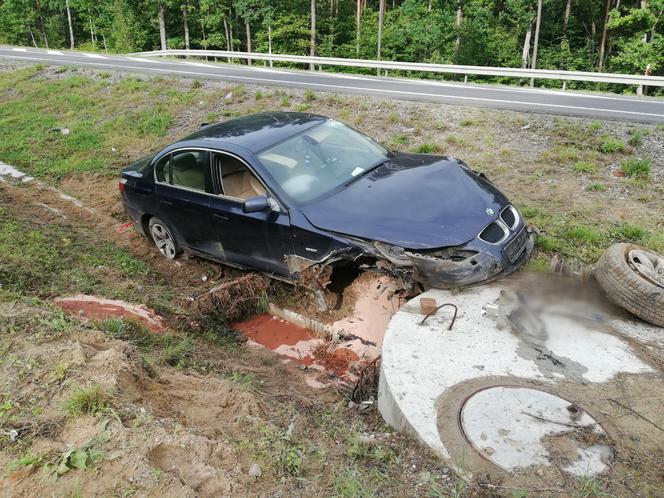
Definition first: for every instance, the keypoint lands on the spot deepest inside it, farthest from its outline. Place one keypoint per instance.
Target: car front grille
(494, 233)
(510, 216)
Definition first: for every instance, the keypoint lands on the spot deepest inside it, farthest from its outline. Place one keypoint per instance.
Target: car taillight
(122, 183)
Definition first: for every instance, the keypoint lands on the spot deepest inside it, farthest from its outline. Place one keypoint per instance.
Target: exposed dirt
(94, 308)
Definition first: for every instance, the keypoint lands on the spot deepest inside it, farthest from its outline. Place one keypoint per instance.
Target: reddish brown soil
(297, 343)
(272, 332)
(337, 360)
(103, 309)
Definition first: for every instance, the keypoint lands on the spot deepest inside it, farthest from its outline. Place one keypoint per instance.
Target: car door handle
(168, 203)
(220, 217)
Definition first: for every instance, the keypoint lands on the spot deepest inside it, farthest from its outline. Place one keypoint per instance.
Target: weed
(595, 126)
(393, 117)
(285, 101)
(60, 371)
(466, 122)
(278, 449)
(87, 400)
(582, 233)
(428, 148)
(636, 168)
(584, 167)
(399, 140)
(302, 107)
(29, 461)
(538, 264)
(635, 138)
(309, 95)
(258, 95)
(632, 232)
(590, 487)
(245, 381)
(596, 187)
(351, 483)
(611, 145)
(454, 140)
(196, 84)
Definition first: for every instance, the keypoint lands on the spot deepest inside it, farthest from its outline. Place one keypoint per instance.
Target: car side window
(189, 168)
(162, 169)
(234, 179)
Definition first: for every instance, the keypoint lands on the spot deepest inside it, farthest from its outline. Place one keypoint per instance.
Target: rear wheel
(633, 278)
(163, 238)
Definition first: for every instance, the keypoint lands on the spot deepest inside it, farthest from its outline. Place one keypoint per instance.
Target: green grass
(429, 148)
(596, 187)
(611, 145)
(87, 400)
(636, 168)
(309, 95)
(635, 138)
(584, 240)
(52, 259)
(128, 115)
(584, 167)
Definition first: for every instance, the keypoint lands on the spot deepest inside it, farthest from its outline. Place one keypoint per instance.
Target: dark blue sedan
(298, 196)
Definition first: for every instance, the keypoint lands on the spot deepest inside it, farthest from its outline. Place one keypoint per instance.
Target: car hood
(415, 201)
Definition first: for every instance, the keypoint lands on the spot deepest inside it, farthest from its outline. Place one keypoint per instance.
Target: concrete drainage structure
(517, 385)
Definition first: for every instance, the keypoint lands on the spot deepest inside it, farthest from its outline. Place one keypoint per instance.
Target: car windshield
(319, 160)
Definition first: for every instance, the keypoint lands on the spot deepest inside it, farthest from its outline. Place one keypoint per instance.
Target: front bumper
(490, 262)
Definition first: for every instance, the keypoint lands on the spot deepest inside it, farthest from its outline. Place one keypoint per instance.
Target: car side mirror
(256, 204)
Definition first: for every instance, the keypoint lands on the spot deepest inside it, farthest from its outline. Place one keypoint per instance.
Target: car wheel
(163, 238)
(633, 278)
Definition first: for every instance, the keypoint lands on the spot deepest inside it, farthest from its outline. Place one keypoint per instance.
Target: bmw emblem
(490, 211)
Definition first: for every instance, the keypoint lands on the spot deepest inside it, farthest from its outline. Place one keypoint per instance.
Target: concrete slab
(529, 330)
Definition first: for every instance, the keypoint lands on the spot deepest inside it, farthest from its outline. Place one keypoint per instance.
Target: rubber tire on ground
(154, 221)
(627, 288)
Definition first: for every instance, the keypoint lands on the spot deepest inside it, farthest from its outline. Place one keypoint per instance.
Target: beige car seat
(187, 172)
(242, 185)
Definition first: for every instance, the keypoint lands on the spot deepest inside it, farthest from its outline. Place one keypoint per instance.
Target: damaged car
(301, 197)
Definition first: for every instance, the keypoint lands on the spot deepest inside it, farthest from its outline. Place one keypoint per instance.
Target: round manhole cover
(517, 427)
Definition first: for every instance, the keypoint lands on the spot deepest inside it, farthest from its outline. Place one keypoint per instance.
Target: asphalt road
(590, 105)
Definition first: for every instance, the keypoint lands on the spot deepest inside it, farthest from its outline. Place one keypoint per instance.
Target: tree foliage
(492, 32)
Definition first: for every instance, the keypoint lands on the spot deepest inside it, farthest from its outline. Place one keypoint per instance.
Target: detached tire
(633, 278)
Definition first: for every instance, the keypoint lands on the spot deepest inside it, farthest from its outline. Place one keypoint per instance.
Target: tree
(312, 39)
(536, 43)
(602, 45)
(381, 14)
(71, 28)
(162, 25)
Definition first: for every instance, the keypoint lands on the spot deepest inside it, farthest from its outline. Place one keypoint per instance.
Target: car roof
(256, 132)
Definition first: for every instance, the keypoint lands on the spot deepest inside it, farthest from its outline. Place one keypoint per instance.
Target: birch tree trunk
(93, 38)
(381, 14)
(358, 19)
(457, 43)
(526, 46)
(71, 28)
(602, 44)
(162, 26)
(269, 42)
(536, 43)
(568, 10)
(229, 47)
(185, 21)
(312, 41)
(32, 36)
(248, 30)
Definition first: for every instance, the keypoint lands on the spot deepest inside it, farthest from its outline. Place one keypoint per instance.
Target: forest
(622, 36)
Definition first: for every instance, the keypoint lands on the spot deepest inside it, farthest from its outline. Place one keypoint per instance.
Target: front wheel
(164, 239)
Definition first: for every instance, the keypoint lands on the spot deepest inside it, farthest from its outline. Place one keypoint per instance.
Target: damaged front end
(477, 261)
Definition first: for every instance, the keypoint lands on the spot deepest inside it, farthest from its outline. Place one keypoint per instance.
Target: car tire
(633, 278)
(164, 238)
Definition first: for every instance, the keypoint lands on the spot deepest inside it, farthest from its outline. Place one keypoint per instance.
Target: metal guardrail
(511, 72)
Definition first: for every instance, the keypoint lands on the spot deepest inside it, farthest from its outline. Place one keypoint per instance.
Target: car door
(183, 186)
(258, 239)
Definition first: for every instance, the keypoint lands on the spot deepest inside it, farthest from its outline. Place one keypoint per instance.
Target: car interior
(189, 169)
(236, 179)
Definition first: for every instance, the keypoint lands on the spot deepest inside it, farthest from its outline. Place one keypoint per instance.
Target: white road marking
(54, 52)
(377, 90)
(138, 59)
(93, 56)
(19, 49)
